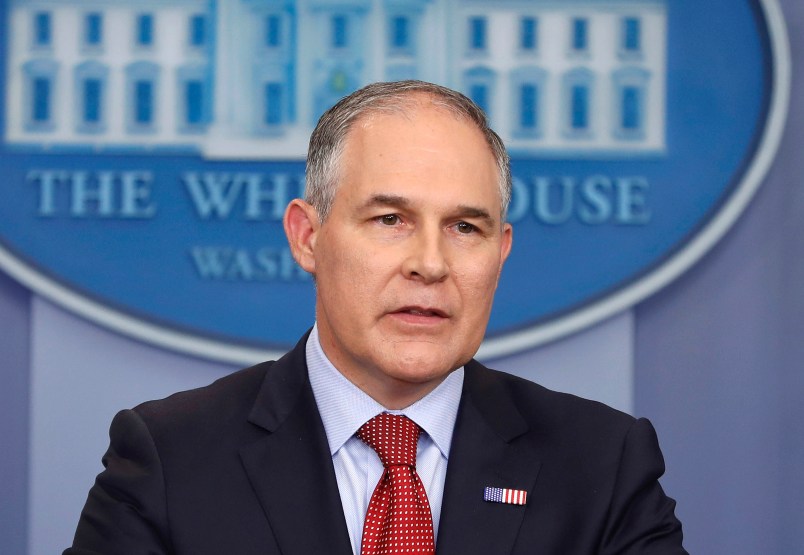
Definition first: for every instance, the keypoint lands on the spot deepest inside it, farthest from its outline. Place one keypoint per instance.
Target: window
(194, 102)
(40, 83)
(527, 86)
(273, 104)
(631, 116)
(580, 107)
(198, 30)
(273, 99)
(142, 96)
(630, 92)
(479, 94)
(145, 29)
(42, 29)
(528, 39)
(41, 100)
(528, 103)
(632, 35)
(90, 91)
(143, 102)
(93, 29)
(400, 33)
(578, 90)
(92, 101)
(340, 31)
(580, 34)
(194, 98)
(273, 31)
(479, 86)
(477, 33)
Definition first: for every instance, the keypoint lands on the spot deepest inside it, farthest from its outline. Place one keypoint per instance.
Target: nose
(426, 258)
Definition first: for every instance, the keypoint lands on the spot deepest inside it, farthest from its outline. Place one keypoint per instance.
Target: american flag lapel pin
(505, 495)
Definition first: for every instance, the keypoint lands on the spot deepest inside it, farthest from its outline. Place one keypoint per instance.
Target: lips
(420, 311)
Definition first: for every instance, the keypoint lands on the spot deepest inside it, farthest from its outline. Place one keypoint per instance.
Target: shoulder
(597, 467)
(235, 387)
(232, 398)
(552, 415)
(213, 411)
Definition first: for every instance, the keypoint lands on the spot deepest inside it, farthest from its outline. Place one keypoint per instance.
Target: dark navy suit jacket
(243, 467)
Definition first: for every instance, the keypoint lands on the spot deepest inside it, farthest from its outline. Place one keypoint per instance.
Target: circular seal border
(539, 334)
(702, 241)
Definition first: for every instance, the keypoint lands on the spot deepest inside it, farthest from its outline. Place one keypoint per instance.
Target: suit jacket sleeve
(641, 517)
(125, 511)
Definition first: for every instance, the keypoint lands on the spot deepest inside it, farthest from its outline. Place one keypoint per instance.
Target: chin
(424, 364)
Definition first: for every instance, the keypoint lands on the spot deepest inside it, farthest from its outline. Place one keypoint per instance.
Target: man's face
(408, 260)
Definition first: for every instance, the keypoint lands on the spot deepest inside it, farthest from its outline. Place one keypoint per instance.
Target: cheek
(480, 269)
(477, 285)
(355, 272)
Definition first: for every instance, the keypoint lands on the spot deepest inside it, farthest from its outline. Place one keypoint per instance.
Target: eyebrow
(463, 210)
(474, 212)
(387, 200)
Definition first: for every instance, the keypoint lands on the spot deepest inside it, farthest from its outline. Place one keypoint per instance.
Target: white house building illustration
(249, 78)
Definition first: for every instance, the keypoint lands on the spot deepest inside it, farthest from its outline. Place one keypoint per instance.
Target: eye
(389, 219)
(465, 227)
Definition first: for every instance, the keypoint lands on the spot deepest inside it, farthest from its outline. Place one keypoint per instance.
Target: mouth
(420, 312)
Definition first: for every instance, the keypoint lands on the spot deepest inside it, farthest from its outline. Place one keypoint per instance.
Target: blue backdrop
(718, 366)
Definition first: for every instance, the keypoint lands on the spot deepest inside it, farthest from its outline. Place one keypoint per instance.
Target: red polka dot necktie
(398, 518)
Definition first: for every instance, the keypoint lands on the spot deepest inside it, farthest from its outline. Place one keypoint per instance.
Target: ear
(505, 246)
(301, 227)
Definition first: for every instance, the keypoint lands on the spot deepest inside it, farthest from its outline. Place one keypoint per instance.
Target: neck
(399, 395)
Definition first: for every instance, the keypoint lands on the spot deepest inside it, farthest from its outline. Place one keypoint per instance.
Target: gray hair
(329, 136)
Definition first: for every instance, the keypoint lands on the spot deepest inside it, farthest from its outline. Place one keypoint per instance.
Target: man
(403, 228)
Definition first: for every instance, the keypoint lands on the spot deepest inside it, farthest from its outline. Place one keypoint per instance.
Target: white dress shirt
(345, 408)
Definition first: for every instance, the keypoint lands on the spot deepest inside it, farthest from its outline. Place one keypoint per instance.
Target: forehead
(417, 145)
(414, 107)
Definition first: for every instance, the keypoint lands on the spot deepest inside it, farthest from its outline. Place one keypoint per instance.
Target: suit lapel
(290, 468)
(485, 452)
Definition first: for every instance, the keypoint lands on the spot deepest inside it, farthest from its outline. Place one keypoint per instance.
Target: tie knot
(393, 436)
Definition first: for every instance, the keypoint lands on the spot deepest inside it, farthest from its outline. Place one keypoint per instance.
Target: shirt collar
(344, 407)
